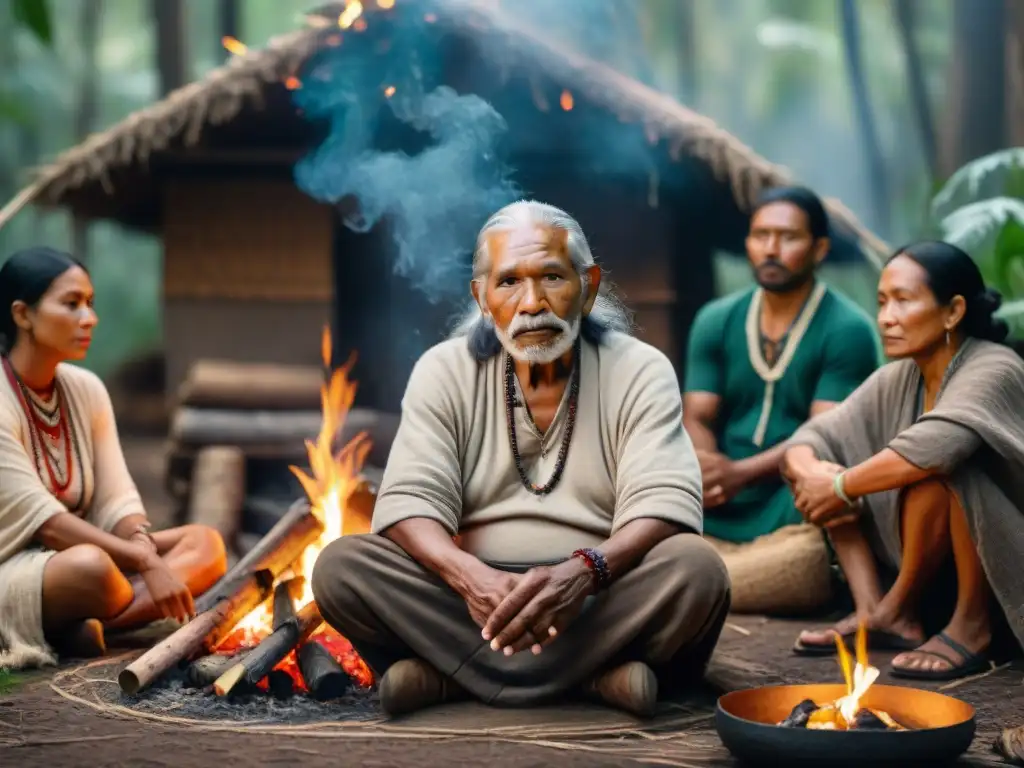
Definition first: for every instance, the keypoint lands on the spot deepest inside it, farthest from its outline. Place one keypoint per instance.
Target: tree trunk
(905, 12)
(1015, 74)
(974, 122)
(171, 55)
(229, 22)
(850, 26)
(86, 111)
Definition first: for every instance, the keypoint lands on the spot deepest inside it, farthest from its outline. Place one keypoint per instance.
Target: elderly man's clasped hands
(517, 611)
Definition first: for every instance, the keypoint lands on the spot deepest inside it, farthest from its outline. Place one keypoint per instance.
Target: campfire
(845, 713)
(259, 627)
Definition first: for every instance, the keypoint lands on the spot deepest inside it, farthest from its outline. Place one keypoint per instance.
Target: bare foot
(825, 637)
(937, 655)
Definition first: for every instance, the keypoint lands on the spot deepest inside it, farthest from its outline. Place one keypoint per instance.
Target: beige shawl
(974, 435)
(26, 502)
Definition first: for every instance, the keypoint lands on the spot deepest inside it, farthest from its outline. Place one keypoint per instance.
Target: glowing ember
(566, 101)
(353, 10)
(333, 480)
(846, 713)
(234, 46)
(292, 83)
(389, 91)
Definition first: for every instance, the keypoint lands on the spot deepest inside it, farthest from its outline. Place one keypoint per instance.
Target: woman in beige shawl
(924, 464)
(75, 549)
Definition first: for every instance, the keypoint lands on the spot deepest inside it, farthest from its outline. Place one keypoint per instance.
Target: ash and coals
(380, 92)
(172, 696)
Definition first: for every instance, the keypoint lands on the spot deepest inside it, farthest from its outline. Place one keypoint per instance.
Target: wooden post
(227, 609)
(218, 490)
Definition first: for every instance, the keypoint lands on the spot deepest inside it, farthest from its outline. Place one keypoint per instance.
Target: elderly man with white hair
(538, 530)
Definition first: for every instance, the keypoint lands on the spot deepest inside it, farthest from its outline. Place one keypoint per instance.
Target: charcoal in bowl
(800, 715)
(866, 720)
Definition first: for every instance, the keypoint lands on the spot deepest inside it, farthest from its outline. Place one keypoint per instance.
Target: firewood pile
(224, 652)
(236, 429)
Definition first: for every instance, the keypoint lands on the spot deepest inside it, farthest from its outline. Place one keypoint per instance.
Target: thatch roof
(185, 115)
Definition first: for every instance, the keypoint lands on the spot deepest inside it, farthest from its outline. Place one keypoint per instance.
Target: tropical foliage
(981, 209)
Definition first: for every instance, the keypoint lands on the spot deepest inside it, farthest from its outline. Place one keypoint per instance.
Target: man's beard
(547, 352)
(787, 281)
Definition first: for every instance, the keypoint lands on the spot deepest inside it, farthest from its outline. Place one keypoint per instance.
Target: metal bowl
(939, 728)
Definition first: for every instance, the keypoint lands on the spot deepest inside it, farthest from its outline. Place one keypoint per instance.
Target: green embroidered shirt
(830, 350)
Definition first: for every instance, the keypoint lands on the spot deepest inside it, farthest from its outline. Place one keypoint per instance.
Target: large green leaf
(34, 14)
(1000, 174)
(976, 227)
(1008, 259)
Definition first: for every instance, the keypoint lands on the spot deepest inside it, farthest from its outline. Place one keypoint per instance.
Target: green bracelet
(837, 486)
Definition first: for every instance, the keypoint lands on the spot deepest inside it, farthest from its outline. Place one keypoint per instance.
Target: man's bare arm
(429, 544)
(700, 412)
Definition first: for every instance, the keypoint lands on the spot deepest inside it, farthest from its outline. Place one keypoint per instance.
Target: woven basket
(783, 573)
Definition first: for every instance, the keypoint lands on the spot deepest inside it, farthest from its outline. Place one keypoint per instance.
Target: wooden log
(228, 384)
(323, 675)
(285, 595)
(204, 670)
(258, 662)
(199, 427)
(218, 489)
(276, 551)
(227, 607)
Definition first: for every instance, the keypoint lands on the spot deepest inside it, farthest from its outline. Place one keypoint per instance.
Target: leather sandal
(970, 663)
(878, 640)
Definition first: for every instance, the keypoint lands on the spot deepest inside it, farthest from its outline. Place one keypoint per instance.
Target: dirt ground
(38, 727)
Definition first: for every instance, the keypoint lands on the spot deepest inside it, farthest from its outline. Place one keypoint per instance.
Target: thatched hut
(253, 267)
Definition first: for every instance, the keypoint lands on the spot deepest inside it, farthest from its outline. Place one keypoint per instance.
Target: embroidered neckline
(771, 374)
(795, 334)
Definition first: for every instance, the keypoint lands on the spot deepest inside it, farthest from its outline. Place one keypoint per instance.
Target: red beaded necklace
(37, 427)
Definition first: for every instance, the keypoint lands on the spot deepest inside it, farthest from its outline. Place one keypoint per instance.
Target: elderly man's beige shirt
(629, 458)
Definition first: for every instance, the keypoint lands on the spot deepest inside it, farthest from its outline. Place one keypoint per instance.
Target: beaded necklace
(52, 425)
(563, 450)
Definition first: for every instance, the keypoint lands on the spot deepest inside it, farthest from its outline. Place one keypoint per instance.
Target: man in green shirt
(761, 362)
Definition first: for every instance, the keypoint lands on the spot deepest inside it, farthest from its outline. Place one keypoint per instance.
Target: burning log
(204, 670)
(258, 662)
(218, 489)
(226, 606)
(324, 677)
(285, 595)
(281, 547)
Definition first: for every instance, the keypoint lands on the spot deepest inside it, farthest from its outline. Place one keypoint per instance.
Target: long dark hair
(26, 276)
(951, 272)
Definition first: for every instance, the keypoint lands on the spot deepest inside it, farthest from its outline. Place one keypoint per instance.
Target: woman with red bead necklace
(76, 554)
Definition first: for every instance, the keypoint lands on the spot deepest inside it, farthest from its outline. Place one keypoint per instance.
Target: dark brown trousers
(667, 612)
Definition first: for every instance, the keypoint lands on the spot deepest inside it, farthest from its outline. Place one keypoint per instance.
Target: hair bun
(991, 300)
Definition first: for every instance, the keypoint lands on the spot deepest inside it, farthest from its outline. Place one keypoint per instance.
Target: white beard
(541, 354)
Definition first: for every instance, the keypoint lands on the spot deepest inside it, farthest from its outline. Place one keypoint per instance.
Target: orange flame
(234, 46)
(389, 91)
(333, 479)
(566, 101)
(292, 83)
(353, 10)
